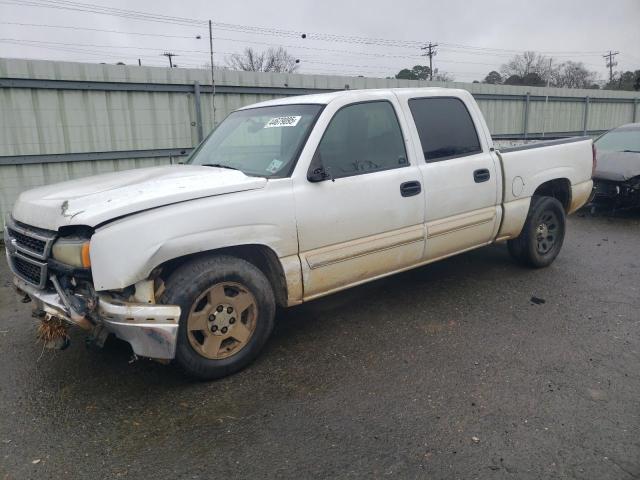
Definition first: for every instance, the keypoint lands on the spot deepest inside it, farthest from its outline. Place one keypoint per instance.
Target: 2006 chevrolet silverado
(286, 201)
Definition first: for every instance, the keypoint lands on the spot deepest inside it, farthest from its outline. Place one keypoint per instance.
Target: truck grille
(31, 244)
(28, 250)
(31, 272)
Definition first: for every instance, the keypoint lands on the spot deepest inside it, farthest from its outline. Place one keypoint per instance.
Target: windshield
(620, 140)
(262, 141)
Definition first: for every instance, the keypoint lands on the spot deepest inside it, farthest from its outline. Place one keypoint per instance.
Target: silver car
(617, 175)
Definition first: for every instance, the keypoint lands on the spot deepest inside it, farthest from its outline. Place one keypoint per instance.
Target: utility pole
(431, 52)
(170, 56)
(546, 100)
(611, 63)
(213, 83)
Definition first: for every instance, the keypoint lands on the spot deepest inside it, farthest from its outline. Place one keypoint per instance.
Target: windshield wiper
(631, 151)
(219, 165)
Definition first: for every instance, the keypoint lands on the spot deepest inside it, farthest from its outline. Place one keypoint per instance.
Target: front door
(366, 220)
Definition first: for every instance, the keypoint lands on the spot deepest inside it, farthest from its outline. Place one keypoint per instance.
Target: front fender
(127, 250)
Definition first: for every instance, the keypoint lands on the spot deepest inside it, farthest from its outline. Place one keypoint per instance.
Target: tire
(210, 288)
(542, 235)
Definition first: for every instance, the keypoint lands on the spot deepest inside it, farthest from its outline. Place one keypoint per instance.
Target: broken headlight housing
(72, 251)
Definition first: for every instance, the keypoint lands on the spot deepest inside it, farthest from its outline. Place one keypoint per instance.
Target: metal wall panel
(46, 120)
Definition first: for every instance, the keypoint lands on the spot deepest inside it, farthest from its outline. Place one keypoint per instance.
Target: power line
(255, 30)
(181, 52)
(244, 41)
(68, 49)
(92, 8)
(382, 70)
(509, 50)
(186, 53)
(318, 49)
(146, 16)
(95, 30)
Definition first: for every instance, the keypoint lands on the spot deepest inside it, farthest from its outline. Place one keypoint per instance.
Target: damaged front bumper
(150, 329)
(617, 194)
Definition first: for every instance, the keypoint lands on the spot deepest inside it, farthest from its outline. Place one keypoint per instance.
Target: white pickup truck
(286, 201)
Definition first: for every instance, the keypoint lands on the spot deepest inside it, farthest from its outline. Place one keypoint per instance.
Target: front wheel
(228, 309)
(542, 235)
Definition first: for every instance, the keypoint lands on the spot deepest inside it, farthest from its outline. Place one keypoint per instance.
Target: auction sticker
(290, 121)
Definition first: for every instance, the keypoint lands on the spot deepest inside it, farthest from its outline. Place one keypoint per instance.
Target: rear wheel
(227, 314)
(542, 235)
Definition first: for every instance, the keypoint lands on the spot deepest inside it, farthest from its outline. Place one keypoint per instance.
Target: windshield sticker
(290, 121)
(275, 165)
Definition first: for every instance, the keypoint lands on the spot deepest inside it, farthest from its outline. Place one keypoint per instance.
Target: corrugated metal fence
(63, 120)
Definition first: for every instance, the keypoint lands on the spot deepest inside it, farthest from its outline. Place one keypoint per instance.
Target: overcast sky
(474, 37)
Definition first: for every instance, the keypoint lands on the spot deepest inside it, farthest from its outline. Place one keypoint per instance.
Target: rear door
(459, 173)
(368, 219)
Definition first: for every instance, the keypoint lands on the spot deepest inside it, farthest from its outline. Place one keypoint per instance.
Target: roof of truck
(328, 97)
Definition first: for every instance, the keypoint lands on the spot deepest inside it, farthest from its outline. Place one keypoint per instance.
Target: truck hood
(95, 200)
(617, 166)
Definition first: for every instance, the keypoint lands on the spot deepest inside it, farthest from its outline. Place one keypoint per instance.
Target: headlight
(72, 251)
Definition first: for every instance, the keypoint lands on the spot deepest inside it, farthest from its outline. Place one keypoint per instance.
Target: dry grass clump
(52, 331)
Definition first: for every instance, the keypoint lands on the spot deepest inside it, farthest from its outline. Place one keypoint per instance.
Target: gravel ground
(447, 371)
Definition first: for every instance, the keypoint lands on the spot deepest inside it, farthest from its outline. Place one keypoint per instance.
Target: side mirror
(320, 174)
(317, 171)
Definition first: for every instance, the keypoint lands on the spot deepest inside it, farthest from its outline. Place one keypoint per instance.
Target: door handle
(481, 175)
(409, 189)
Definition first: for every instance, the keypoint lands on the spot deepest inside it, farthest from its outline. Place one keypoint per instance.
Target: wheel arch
(259, 255)
(516, 211)
(558, 188)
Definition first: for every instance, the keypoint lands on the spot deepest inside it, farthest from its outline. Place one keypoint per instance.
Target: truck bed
(526, 167)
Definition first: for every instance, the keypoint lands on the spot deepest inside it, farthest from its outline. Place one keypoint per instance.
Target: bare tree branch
(573, 75)
(272, 60)
(526, 64)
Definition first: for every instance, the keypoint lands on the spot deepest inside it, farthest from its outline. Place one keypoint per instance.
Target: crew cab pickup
(284, 202)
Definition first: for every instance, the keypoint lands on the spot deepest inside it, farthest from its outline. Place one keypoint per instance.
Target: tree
(625, 81)
(422, 72)
(493, 78)
(439, 76)
(530, 79)
(418, 72)
(272, 60)
(513, 80)
(536, 70)
(527, 63)
(572, 75)
(533, 79)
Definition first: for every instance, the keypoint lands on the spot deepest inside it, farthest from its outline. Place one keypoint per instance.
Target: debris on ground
(52, 332)
(475, 439)
(538, 300)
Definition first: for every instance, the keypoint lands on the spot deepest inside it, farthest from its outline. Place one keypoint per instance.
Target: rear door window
(445, 128)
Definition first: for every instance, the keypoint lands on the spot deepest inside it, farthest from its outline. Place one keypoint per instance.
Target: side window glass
(445, 128)
(362, 138)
